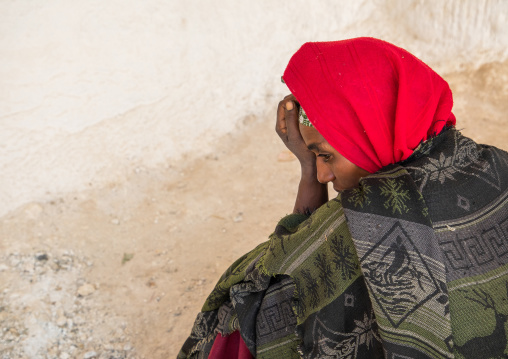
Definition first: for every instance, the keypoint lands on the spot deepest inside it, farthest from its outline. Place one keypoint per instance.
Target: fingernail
(289, 105)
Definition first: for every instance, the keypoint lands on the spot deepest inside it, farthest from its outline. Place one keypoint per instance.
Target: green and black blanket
(411, 264)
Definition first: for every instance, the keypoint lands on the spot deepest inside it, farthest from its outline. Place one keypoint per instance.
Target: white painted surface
(91, 89)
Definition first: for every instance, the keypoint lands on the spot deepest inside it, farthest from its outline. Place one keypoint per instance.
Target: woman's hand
(288, 130)
(311, 194)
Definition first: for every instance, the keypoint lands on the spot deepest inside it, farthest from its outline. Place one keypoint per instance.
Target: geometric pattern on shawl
(462, 195)
(402, 264)
(466, 188)
(316, 253)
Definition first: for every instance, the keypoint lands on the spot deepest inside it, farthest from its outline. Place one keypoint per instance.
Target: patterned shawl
(411, 264)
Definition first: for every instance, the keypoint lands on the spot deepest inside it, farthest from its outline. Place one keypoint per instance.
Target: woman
(409, 261)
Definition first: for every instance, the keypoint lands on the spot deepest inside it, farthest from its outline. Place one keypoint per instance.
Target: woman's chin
(339, 188)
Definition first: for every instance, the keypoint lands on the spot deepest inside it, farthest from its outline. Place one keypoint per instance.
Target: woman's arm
(311, 194)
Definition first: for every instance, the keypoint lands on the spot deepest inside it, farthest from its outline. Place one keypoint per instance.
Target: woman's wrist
(311, 193)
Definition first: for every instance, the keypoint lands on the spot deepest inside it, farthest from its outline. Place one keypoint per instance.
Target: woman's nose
(324, 173)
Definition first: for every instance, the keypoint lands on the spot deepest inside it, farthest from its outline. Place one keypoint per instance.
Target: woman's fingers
(291, 119)
(288, 129)
(280, 124)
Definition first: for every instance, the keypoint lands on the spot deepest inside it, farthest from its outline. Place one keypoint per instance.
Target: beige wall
(90, 90)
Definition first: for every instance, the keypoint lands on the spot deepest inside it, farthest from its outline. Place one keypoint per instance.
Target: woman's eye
(326, 157)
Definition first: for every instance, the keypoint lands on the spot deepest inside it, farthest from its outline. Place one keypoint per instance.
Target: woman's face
(331, 165)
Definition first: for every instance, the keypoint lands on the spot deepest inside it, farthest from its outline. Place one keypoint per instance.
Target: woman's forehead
(312, 137)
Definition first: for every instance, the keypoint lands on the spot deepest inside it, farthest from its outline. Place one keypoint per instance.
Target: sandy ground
(121, 271)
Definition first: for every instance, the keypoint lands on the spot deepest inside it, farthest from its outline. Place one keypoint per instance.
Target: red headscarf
(372, 101)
